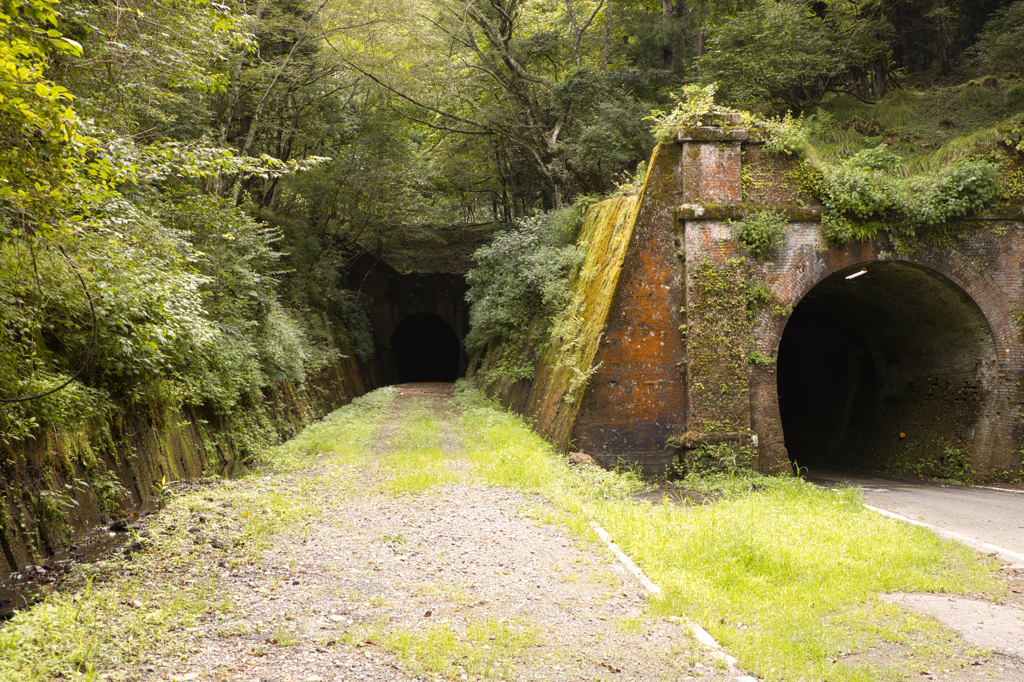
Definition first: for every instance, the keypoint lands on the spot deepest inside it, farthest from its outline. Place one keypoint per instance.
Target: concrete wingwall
(913, 366)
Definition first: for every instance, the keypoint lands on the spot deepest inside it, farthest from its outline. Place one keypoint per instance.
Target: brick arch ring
(952, 264)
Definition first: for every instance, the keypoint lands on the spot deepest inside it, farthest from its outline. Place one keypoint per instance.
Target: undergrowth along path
(421, 575)
(404, 538)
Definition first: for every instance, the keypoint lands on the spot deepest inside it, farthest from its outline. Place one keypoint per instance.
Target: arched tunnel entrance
(424, 347)
(884, 369)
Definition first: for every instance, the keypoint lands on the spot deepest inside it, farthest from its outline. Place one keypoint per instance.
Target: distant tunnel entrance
(424, 347)
(883, 369)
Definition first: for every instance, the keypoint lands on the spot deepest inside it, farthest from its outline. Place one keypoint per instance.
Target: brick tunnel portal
(880, 370)
(424, 347)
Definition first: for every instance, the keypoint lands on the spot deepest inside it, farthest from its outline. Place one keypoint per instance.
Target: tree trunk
(606, 50)
(668, 52)
(702, 20)
(879, 80)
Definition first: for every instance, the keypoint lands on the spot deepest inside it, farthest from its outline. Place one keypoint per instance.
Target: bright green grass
(119, 624)
(344, 434)
(125, 617)
(787, 578)
(415, 461)
(488, 648)
(929, 128)
(785, 562)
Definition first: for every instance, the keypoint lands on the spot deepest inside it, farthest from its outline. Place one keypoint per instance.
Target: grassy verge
(786, 576)
(488, 648)
(127, 615)
(416, 461)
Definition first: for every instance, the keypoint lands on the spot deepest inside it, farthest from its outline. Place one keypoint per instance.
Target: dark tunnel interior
(883, 369)
(424, 347)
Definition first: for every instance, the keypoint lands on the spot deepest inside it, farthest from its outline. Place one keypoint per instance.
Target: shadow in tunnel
(424, 347)
(883, 369)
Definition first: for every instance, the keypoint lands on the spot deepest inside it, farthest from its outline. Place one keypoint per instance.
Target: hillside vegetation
(184, 185)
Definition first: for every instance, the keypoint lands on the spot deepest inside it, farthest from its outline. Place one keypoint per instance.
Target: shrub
(761, 233)
(1015, 97)
(522, 273)
(867, 193)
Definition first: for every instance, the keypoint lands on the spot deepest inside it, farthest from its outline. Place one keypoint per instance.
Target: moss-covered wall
(608, 374)
(674, 332)
(564, 357)
(566, 366)
(66, 481)
(636, 398)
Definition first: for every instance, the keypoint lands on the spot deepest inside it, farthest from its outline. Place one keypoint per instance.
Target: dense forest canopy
(184, 184)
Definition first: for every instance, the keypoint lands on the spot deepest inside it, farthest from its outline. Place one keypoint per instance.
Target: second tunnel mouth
(424, 347)
(884, 371)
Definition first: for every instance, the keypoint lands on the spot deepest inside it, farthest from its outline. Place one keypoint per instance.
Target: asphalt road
(988, 520)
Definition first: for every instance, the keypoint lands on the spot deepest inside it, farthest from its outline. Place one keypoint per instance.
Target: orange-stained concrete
(636, 400)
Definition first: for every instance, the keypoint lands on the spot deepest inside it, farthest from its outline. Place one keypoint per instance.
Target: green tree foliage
(602, 124)
(788, 55)
(46, 152)
(119, 269)
(148, 66)
(999, 44)
(533, 91)
(189, 183)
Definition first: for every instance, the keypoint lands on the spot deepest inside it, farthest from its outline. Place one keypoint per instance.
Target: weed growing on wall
(934, 458)
(761, 232)
(109, 492)
(694, 108)
(874, 189)
(954, 465)
(697, 107)
(716, 459)
(758, 294)
(869, 193)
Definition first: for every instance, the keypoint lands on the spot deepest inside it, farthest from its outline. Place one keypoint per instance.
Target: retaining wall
(52, 486)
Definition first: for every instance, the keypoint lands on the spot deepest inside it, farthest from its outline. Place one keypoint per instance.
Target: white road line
(1005, 554)
(1002, 490)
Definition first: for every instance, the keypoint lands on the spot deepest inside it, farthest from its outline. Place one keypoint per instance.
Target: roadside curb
(699, 633)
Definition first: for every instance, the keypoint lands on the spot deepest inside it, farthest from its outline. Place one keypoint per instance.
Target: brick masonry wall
(949, 385)
(923, 354)
(985, 268)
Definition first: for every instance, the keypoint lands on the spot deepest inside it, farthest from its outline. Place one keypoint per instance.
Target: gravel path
(462, 570)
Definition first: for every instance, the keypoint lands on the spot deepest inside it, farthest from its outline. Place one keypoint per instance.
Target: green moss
(82, 463)
(566, 362)
(718, 329)
(934, 458)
